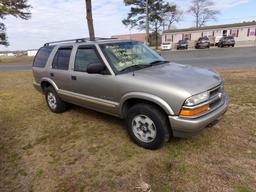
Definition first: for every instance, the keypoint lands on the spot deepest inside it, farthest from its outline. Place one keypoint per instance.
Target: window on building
(251, 32)
(234, 32)
(169, 38)
(225, 33)
(187, 36)
(61, 58)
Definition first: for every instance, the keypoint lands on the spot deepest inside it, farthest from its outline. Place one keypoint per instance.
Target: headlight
(196, 99)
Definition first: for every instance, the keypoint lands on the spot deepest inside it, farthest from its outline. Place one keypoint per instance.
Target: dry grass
(82, 150)
(16, 60)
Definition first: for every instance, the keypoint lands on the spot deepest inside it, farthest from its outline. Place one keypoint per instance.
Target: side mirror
(97, 68)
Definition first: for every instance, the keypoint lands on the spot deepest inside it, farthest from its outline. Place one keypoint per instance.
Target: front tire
(53, 101)
(147, 126)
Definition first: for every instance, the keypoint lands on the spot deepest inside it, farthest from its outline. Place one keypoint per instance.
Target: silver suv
(127, 79)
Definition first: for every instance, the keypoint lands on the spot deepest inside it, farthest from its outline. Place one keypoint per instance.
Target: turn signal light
(194, 112)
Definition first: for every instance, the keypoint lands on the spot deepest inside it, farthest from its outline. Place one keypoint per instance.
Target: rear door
(59, 70)
(40, 61)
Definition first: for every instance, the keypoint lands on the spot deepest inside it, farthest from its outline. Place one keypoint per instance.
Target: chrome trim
(215, 98)
(215, 88)
(95, 100)
(36, 84)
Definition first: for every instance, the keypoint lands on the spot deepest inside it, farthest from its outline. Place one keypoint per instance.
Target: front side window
(42, 56)
(61, 58)
(124, 55)
(86, 55)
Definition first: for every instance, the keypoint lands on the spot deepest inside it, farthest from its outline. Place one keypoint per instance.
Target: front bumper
(185, 127)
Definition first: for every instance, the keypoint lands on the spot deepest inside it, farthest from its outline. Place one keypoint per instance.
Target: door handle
(52, 74)
(73, 77)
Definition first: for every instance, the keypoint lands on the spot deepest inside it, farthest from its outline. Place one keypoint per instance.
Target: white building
(32, 52)
(244, 33)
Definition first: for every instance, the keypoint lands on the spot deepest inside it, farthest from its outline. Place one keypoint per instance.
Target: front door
(96, 91)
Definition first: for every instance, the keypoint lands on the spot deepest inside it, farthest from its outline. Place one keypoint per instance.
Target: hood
(183, 77)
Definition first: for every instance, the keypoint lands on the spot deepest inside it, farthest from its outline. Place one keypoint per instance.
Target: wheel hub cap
(144, 128)
(51, 100)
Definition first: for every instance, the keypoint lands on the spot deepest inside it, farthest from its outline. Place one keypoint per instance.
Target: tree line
(149, 15)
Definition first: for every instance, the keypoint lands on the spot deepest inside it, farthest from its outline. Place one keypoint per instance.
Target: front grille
(216, 95)
(215, 91)
(216, 99)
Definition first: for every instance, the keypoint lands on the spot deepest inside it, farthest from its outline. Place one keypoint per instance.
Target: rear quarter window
(42, 56)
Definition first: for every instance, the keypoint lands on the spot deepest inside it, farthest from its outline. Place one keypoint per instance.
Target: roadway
(207, 58)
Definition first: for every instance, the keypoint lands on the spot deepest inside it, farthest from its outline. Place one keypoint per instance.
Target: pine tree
(16, 8)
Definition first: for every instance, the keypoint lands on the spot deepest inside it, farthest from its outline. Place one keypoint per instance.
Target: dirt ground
(83, 150)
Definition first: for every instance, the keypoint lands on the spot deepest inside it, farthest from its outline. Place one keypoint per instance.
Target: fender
(148, 97)
(50, 81)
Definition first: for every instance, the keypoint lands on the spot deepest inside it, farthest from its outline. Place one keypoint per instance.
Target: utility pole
(90, 19)
(147, 23)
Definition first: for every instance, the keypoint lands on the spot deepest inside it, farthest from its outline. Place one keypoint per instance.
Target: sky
(66, 19)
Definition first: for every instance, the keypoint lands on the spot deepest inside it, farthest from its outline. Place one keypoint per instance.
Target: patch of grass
(82, 150)
(16, 60)
(39, 172)
(243, 188)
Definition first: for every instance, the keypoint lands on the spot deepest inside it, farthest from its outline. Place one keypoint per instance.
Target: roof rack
(81, 40)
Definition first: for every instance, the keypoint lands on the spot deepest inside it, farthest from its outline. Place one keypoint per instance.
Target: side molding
(89, 99)
(148, 97)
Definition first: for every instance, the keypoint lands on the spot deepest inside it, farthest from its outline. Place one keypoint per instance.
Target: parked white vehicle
(217, 39)
(166, 46)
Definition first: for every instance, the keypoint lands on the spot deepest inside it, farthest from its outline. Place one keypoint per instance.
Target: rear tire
(147, 126)
(53, 101)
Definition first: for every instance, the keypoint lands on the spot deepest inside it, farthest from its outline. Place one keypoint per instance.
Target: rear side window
(42, 56)
(84, 57)
(61, 58)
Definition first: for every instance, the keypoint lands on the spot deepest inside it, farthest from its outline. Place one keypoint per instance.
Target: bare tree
(90, 19)
(203, 11)
(173, 16)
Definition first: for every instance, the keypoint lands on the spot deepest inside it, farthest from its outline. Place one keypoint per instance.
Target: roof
(85, 41)
(211, 27)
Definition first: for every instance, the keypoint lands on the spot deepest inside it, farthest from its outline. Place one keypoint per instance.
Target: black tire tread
(150, 110)
(61, 105)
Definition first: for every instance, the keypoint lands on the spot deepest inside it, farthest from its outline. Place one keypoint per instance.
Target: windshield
(125, 55)
(182, 41)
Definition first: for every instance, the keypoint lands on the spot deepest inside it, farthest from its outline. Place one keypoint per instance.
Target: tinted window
(84, 57)
(182, 41)
(61, 59)
(42, 56)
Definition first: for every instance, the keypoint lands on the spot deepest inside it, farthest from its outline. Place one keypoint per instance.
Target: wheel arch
(46, 82)
(131, 99)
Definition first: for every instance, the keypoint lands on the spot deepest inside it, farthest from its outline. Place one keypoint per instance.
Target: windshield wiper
(157, 62)
(140, 66)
